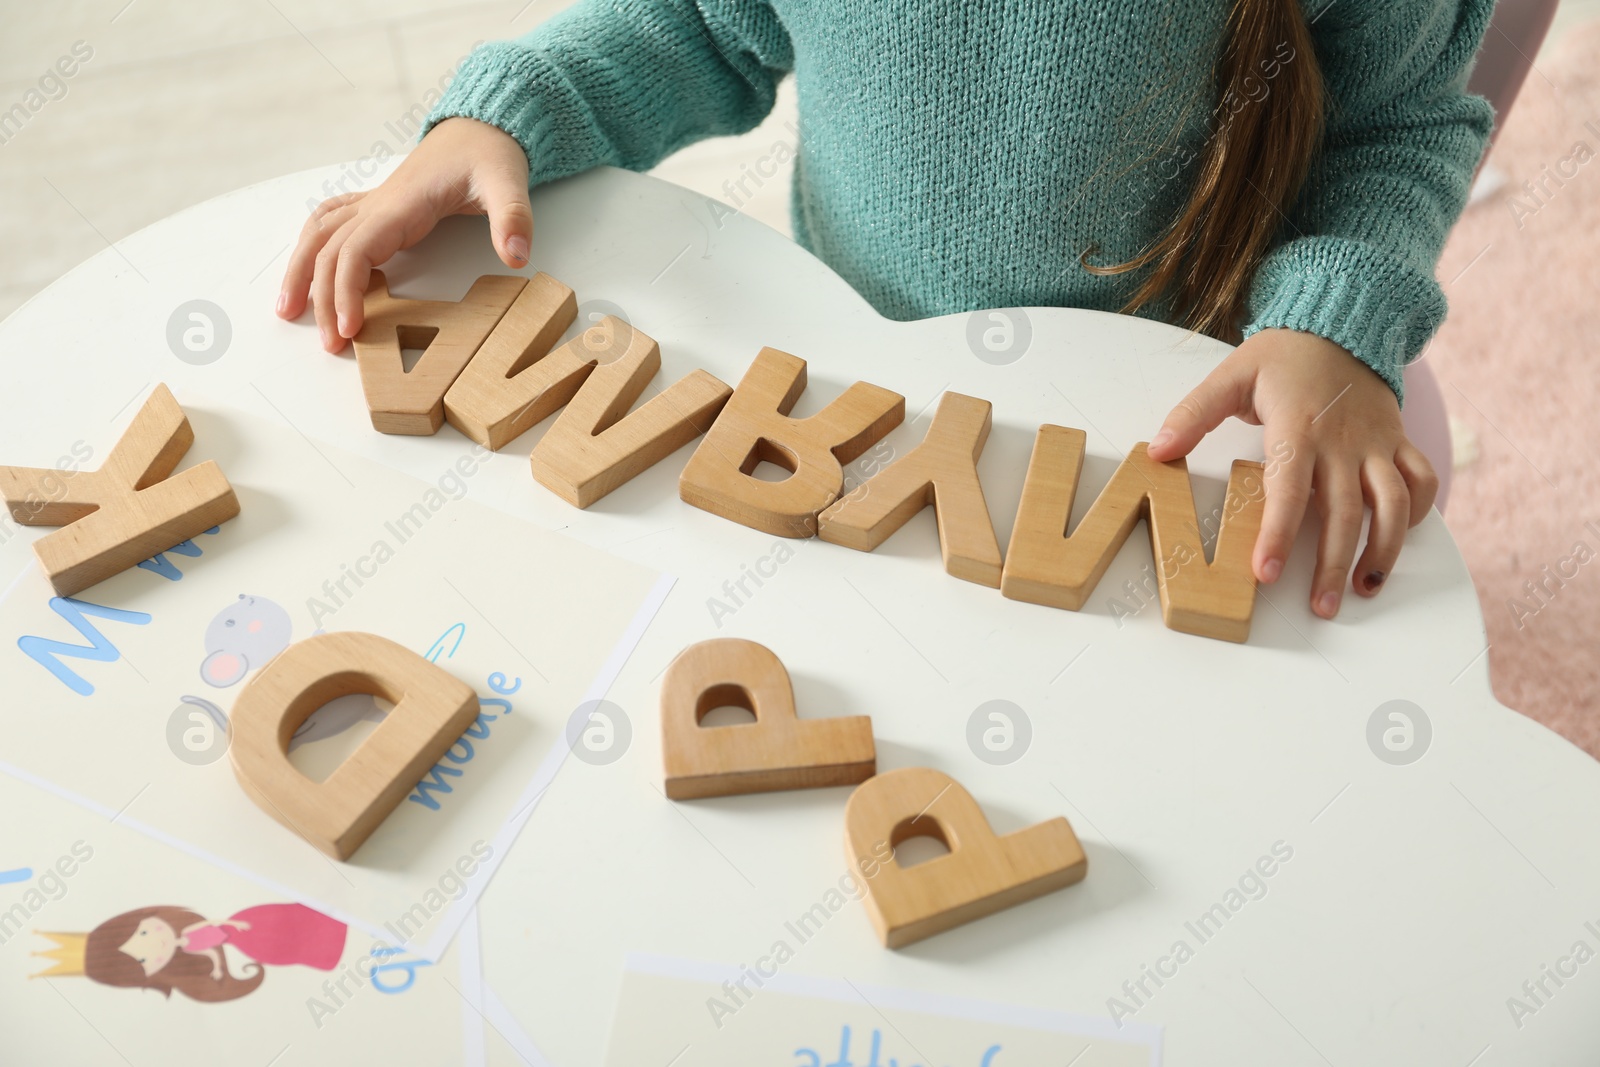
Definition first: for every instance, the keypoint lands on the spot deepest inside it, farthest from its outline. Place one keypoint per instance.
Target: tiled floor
(179, 102)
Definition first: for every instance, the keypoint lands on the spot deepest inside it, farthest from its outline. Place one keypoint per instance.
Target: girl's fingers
(369, 245)
(334, 203)
(1223, 393)
(1339, 501)
(322, 224)
(1390, 498)
(322, 282)
(504, 197)
(1288, 487)
(1421, 481)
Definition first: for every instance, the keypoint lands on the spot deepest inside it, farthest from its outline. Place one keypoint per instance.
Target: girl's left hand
(1336, 427)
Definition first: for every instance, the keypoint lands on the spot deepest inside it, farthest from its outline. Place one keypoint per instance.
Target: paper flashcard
(696, 1014)
(128, 687)
(117, 949)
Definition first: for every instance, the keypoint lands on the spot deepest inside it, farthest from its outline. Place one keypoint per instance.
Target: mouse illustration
(243, 636)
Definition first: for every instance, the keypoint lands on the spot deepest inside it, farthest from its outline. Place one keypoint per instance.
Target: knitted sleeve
(1403, 138)
(624, 82)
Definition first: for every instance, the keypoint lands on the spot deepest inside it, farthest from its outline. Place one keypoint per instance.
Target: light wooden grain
(514, 380)
(777, 751)
(598, 444)
(128, 510)
(1044, 566)
(431, 709)
(450, 333)
(984, 873)
(941, 472)
(755, 426)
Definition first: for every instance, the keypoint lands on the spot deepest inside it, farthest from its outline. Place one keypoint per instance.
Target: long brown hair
(189, 972)
(1265, 133)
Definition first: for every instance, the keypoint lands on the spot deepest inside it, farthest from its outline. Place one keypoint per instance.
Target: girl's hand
(462, 167)
(1336, 426)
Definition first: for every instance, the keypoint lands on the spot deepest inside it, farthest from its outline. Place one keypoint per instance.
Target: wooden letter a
(412, 402)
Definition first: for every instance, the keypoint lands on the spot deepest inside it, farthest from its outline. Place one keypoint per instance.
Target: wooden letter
(756, 426)
(1044, 566)
(596, 445)
(983, 873)
(941, 471)
(777, 751)
(512, 384)
(412, 402)
(127, 511)
(431, 709)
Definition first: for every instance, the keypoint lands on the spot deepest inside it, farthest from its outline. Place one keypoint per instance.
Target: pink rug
(1519, 363)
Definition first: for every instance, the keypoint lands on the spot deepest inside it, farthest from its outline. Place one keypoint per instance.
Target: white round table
(1420, 895)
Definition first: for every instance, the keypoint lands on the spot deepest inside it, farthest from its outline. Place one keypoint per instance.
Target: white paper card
(127, 687)
(695, 1014)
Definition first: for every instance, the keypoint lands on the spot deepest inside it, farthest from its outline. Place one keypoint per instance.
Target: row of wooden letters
(488, 367)
(489, 370)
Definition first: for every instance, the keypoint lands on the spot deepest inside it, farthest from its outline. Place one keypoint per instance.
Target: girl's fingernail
(324, 335)
(1373, 580)
(1161, 438)
(283, 301)
(1328, 605)
(518, 247)
(1270, 570)
(344, 325)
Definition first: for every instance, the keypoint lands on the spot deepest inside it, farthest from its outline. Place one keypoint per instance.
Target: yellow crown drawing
(68, 954)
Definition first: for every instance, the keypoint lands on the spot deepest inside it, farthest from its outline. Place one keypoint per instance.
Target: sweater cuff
(523, 92)
(1351, 293)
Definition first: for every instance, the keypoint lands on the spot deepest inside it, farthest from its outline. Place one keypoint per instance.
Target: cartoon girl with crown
(166, 948)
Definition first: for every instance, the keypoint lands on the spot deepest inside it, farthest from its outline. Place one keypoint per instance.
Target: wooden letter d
(431, 709)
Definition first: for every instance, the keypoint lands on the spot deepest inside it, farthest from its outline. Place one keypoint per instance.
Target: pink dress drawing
(277, 935)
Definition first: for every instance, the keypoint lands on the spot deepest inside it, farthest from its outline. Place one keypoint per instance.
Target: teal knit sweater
(957, 154)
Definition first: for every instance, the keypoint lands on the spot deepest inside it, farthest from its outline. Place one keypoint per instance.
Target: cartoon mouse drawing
(243, 637)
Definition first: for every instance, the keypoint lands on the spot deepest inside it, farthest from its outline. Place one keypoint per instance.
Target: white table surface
(1419, 897)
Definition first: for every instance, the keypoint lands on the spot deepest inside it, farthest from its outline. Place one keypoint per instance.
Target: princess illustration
(167, 947)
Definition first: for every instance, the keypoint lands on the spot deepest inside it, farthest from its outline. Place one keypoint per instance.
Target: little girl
(1278, 171)
(166, 948)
